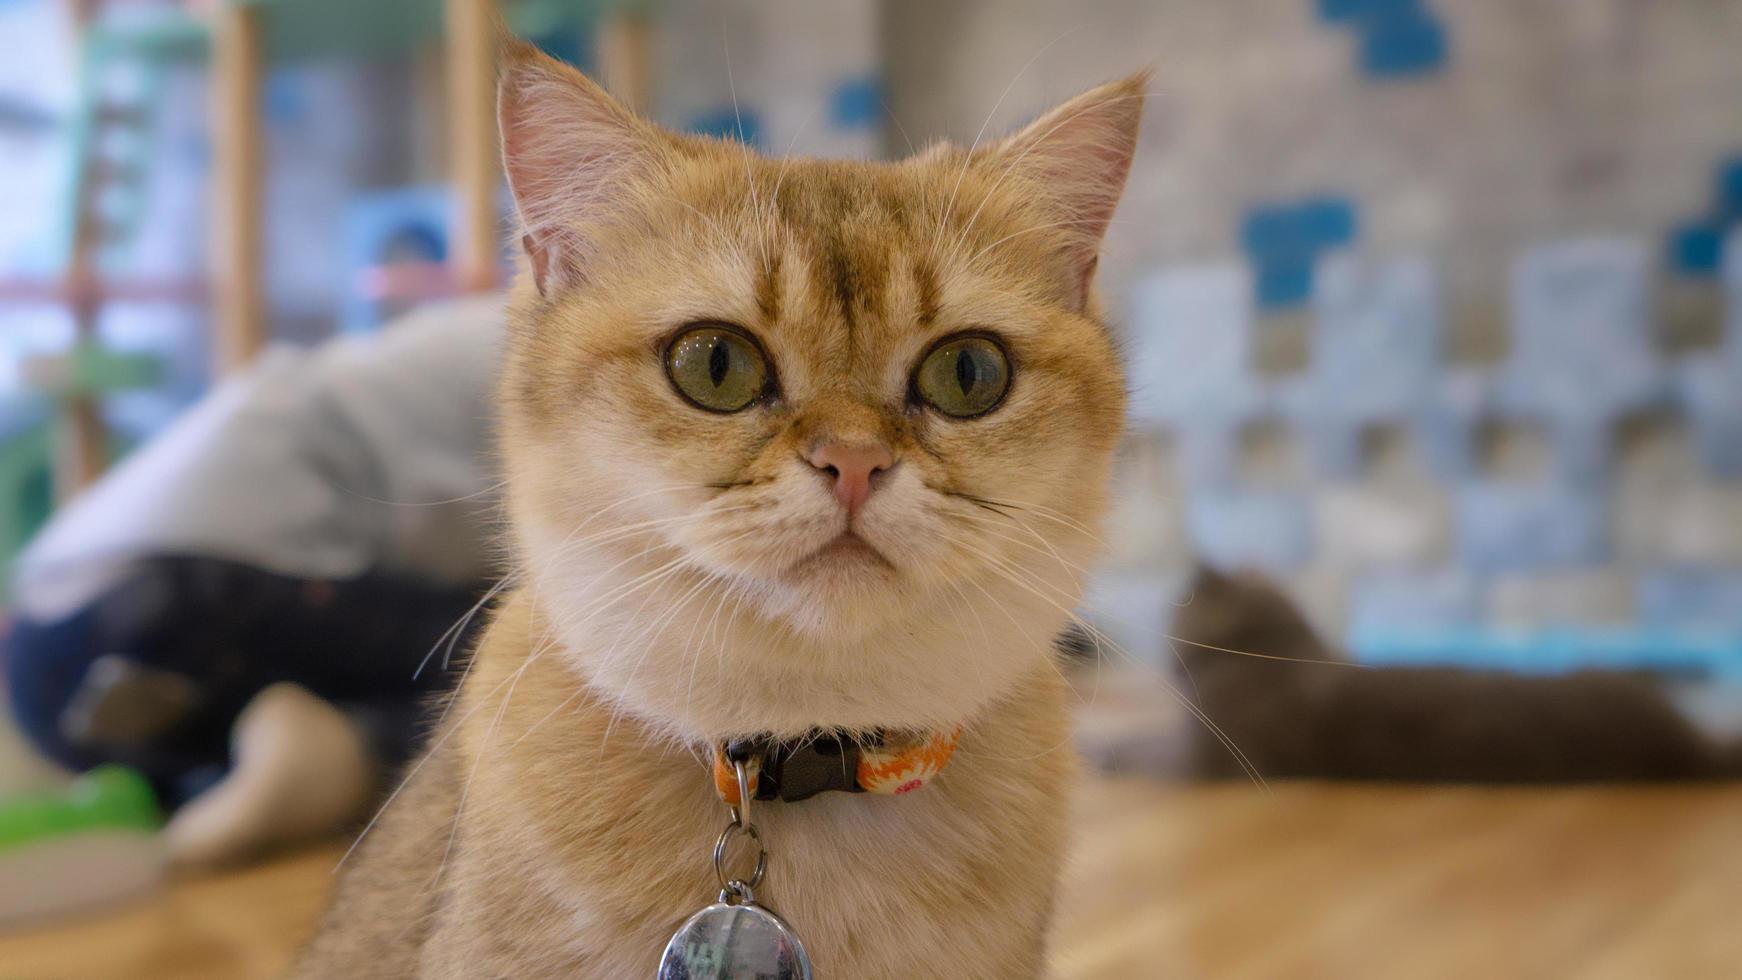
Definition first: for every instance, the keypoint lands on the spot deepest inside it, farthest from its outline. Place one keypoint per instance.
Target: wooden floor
(1355, 882)
(1204, 882)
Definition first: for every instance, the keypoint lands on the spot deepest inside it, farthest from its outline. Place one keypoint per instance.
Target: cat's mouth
(846, 549)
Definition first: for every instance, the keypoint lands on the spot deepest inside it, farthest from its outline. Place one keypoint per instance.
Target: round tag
(734, 942)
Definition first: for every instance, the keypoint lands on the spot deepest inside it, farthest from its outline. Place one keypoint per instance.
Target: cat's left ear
(573, 157)
(1077, 158)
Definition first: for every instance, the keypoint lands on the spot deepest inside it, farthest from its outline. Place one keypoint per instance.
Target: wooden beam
(81, 450)
(239, 305)
(85, 291)
(626, 58)
(475, 248)
(81, 439)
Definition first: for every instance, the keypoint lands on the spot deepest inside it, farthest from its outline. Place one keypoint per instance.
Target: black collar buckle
(793, 771)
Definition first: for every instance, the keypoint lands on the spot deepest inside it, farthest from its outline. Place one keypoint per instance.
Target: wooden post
(238, 294)
(81, 446)
(471, 44)
(81, 449)
(625, 58)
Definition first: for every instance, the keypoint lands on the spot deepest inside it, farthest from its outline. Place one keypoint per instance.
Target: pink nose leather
(852, 467)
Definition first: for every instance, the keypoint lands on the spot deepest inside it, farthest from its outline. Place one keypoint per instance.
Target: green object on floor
(88, 370)
(106, 798)
(26, 483)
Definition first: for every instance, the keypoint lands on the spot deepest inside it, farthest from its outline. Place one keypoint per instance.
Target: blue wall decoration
(1696, 246)
(857, 102)
(1395, 38)
(1285, 240)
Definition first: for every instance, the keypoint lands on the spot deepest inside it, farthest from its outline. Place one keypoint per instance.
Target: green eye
(717, 368)
(964, 377)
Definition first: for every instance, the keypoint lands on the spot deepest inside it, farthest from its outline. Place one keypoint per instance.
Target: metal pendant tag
(728, 941)
(734, 938)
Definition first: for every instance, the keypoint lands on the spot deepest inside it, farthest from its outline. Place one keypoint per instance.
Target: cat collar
(736, 936)
(798, 770)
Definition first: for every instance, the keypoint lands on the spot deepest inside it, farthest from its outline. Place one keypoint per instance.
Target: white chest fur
(583, 845)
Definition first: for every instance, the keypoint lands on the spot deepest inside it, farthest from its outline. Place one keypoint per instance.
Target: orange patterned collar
(791, 771)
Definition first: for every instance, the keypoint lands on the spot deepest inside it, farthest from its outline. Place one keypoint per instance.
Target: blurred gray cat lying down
(1420, 724)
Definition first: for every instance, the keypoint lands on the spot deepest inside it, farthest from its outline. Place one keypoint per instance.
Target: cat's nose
(853, 468)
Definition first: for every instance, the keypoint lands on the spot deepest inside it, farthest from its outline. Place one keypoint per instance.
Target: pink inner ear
(569, 152)
(1078, 156)
(1084, 163)
(540, 258)
(1087, 279)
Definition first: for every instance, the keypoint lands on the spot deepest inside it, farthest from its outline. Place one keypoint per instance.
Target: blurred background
(1433, 308)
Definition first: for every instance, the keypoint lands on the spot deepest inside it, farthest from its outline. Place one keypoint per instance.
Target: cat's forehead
(818, 196)
(852, 249)
(853, 235)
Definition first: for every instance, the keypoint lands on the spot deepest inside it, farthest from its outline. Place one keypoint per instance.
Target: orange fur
(676, 587)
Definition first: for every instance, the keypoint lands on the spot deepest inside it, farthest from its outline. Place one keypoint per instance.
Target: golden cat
(791, 446)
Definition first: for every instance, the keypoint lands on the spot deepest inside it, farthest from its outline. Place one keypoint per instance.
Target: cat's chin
(845, 558)
(845, 586)
(838, 604)
(855, 641)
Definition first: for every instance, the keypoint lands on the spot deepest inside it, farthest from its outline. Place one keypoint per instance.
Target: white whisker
(968, 157)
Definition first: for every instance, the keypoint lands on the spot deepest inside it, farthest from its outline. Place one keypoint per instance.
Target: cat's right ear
(570, 152)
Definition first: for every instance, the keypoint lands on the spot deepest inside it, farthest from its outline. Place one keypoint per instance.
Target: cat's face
(840, 429)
